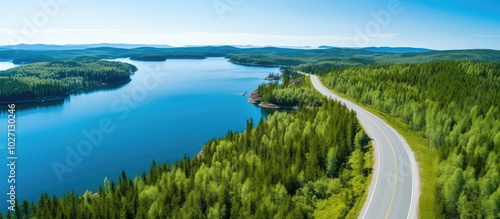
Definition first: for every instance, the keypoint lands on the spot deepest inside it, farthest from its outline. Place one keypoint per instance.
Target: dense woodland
(456, 106)
(150, 57)
(299, 164)
(264, 60)
(272, 76)
(311, 162)
(50, 79)
(339, 57)
(160, 58)
(294, 89)
(269, 56)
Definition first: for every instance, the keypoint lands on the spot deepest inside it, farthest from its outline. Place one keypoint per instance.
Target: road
(395, 186)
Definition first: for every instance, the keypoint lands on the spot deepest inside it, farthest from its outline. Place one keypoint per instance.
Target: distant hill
(45, 47)
(262, 56)
(396, 49)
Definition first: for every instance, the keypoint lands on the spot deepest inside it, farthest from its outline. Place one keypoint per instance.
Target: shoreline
(60, 97)
(252, 64)
(256, 99)
(267, 105)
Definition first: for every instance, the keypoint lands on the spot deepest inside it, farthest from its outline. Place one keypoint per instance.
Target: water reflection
(56, 102)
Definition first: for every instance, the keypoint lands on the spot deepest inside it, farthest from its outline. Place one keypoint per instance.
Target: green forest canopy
(295, 89)
(300, 164)
(456, 106)
(267, 56)
(49, 79)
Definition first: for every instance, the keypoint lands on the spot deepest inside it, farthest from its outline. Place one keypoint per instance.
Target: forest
(161, 58)
(44, 80)
(294, 90)
(150, 58)
(272, 76)
(456, 106)
(310, 162)
(263, 56)
(263, 60)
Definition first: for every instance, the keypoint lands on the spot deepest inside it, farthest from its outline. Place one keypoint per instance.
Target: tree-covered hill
(149, 58)
(266, 56)
(294, 90)
(49, 80)
(161, 58)
(310, 162)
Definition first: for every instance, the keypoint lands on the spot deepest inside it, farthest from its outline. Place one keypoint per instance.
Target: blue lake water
(168, 110)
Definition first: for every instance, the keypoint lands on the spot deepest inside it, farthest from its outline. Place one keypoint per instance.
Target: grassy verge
(426, 156)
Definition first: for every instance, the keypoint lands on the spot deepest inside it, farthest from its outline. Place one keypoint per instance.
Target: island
(54, 81)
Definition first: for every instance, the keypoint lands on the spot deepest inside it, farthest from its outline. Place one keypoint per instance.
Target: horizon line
(236, 46)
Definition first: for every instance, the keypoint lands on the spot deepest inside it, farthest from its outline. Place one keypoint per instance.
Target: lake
(168, 110)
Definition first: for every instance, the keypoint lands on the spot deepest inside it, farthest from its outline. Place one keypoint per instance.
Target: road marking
(410, 159)
(395, 162)
(396, 173)
(330, 94)
(412, 165)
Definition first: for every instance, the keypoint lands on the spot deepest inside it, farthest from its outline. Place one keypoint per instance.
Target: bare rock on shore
(255, 98)
(268, 105)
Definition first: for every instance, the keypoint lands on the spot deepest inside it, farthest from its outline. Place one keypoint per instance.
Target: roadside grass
(426, 156)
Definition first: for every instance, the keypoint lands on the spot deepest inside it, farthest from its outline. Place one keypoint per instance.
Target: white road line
(415, 183)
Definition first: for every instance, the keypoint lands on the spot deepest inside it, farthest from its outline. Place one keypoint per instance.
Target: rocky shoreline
(256, 99)
(269, 105)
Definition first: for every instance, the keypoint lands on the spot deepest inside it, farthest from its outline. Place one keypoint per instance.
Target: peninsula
(53, 81)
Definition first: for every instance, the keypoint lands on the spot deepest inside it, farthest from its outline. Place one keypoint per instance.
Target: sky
(459, 24)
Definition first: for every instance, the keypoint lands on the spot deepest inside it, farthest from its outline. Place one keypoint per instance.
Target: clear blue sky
(459, 24)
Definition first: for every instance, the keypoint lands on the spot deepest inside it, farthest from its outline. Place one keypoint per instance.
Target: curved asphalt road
(394, 190)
